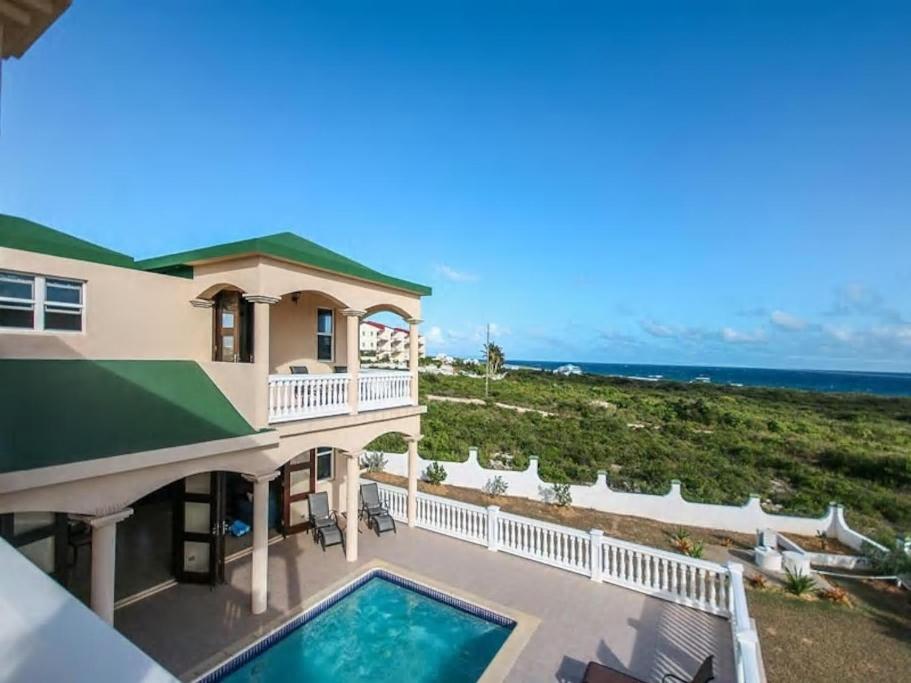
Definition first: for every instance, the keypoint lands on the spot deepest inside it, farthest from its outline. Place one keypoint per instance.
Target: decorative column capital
(414, 438)
(262, 299)
(261, 478)
(414, 321)
(202, 303)
(108, 519)
(356, 454)
(353, 313)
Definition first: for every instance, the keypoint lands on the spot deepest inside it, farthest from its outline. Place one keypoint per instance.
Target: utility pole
(487, 374)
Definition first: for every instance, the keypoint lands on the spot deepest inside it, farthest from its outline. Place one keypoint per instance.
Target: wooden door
(199, 529)
(233, 328)
(298, 482)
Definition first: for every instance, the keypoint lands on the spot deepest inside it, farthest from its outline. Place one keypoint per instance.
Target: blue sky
(718, 183)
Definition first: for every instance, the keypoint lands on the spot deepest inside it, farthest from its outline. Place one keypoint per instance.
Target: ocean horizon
(830, 381)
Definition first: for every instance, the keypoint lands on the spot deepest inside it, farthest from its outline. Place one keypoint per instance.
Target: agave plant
(695, 549)
(799, 584)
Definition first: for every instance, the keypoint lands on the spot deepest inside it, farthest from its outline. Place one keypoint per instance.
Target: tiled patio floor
(186, 627)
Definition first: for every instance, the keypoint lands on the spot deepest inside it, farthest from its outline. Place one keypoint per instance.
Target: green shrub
(561, 495)
(435, 474)
(496, 486)
(799, 584)
(374, 462)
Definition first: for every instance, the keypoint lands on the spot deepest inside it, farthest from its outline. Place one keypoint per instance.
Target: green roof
(56, 412)
(19, 233)
(283, 245)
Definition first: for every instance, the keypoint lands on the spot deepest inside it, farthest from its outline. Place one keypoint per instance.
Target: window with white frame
(324, 326)
(36, 302)
(324, 461)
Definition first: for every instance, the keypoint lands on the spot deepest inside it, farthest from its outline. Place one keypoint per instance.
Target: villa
(218, 386)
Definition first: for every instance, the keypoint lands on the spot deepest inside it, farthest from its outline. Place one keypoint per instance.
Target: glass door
(199, 529)
(298, 482)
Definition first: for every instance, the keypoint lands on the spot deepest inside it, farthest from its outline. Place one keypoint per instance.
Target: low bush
(374, 462)
(561, 495)
(435, 474)
(496, 486)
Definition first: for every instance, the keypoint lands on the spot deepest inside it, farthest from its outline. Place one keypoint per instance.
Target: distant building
(382, 344)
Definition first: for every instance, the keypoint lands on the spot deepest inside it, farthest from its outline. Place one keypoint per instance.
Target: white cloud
(657, 329)
(454, 275)
(788, 322)
(846, 335)
(733, 336)
(435, 336)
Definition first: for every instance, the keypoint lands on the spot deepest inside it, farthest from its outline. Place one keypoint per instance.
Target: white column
(104, 553)
(595, 537)
(259, 571)
(352, 488)
(493, 517)
(261, 355)
(414, 356)
(413, 479)
(353, 345)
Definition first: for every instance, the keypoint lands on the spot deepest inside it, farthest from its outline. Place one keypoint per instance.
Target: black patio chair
(340, 369)
(324, 521)
(374, 511)
(299, 369)
(598, 673)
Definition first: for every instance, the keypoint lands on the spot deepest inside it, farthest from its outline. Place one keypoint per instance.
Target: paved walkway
(188, 628)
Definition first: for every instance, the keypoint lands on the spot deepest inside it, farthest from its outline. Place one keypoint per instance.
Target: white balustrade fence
(551, 544)
(295, 397)
(378, 390)
(702, 585)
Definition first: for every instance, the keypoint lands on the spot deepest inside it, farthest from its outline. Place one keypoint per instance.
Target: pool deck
(190, 628)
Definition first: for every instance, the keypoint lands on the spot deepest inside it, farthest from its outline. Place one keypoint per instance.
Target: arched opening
(385, 339)
(307, 334)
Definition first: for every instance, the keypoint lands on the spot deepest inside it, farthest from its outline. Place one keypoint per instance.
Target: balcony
(302, 397)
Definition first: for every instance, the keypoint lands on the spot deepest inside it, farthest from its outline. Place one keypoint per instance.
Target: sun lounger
(598, 673)
(326, 530)
(374, 511)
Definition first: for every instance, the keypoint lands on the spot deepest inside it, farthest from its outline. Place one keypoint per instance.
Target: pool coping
(523, 625)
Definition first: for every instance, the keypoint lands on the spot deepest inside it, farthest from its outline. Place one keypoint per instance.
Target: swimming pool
(381, 627)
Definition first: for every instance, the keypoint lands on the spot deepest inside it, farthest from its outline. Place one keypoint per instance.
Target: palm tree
(493, 354)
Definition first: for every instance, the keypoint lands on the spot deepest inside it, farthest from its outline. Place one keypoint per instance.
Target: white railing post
(746, 640)
(594, 553)
(493, 517)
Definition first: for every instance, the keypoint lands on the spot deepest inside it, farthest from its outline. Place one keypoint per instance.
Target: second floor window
(324, 334)
(36, 302)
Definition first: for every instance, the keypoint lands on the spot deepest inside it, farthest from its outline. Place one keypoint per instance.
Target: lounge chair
(341, 369)
(373, 509)
(324, 521)
(598, 673)
(299, 369)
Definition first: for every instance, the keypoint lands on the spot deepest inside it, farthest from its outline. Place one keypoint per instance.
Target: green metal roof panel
(57, 412)
(19, 233)
(288, 246)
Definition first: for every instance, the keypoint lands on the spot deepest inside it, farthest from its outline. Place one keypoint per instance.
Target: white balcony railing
(386, 389)
(300, 397)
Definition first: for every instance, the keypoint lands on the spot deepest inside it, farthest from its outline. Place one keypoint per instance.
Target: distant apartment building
(382, 344)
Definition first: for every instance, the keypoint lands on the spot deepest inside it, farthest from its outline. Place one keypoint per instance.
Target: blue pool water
(381, 632)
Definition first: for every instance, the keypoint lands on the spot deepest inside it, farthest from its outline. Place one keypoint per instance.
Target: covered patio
(189, 629)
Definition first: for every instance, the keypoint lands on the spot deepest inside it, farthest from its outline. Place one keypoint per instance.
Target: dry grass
(807, 641)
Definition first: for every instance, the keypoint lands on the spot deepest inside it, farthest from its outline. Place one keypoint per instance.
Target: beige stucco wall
(128, 314)
(292, 334)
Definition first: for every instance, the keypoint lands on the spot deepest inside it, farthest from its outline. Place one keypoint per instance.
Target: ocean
(880, 383)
